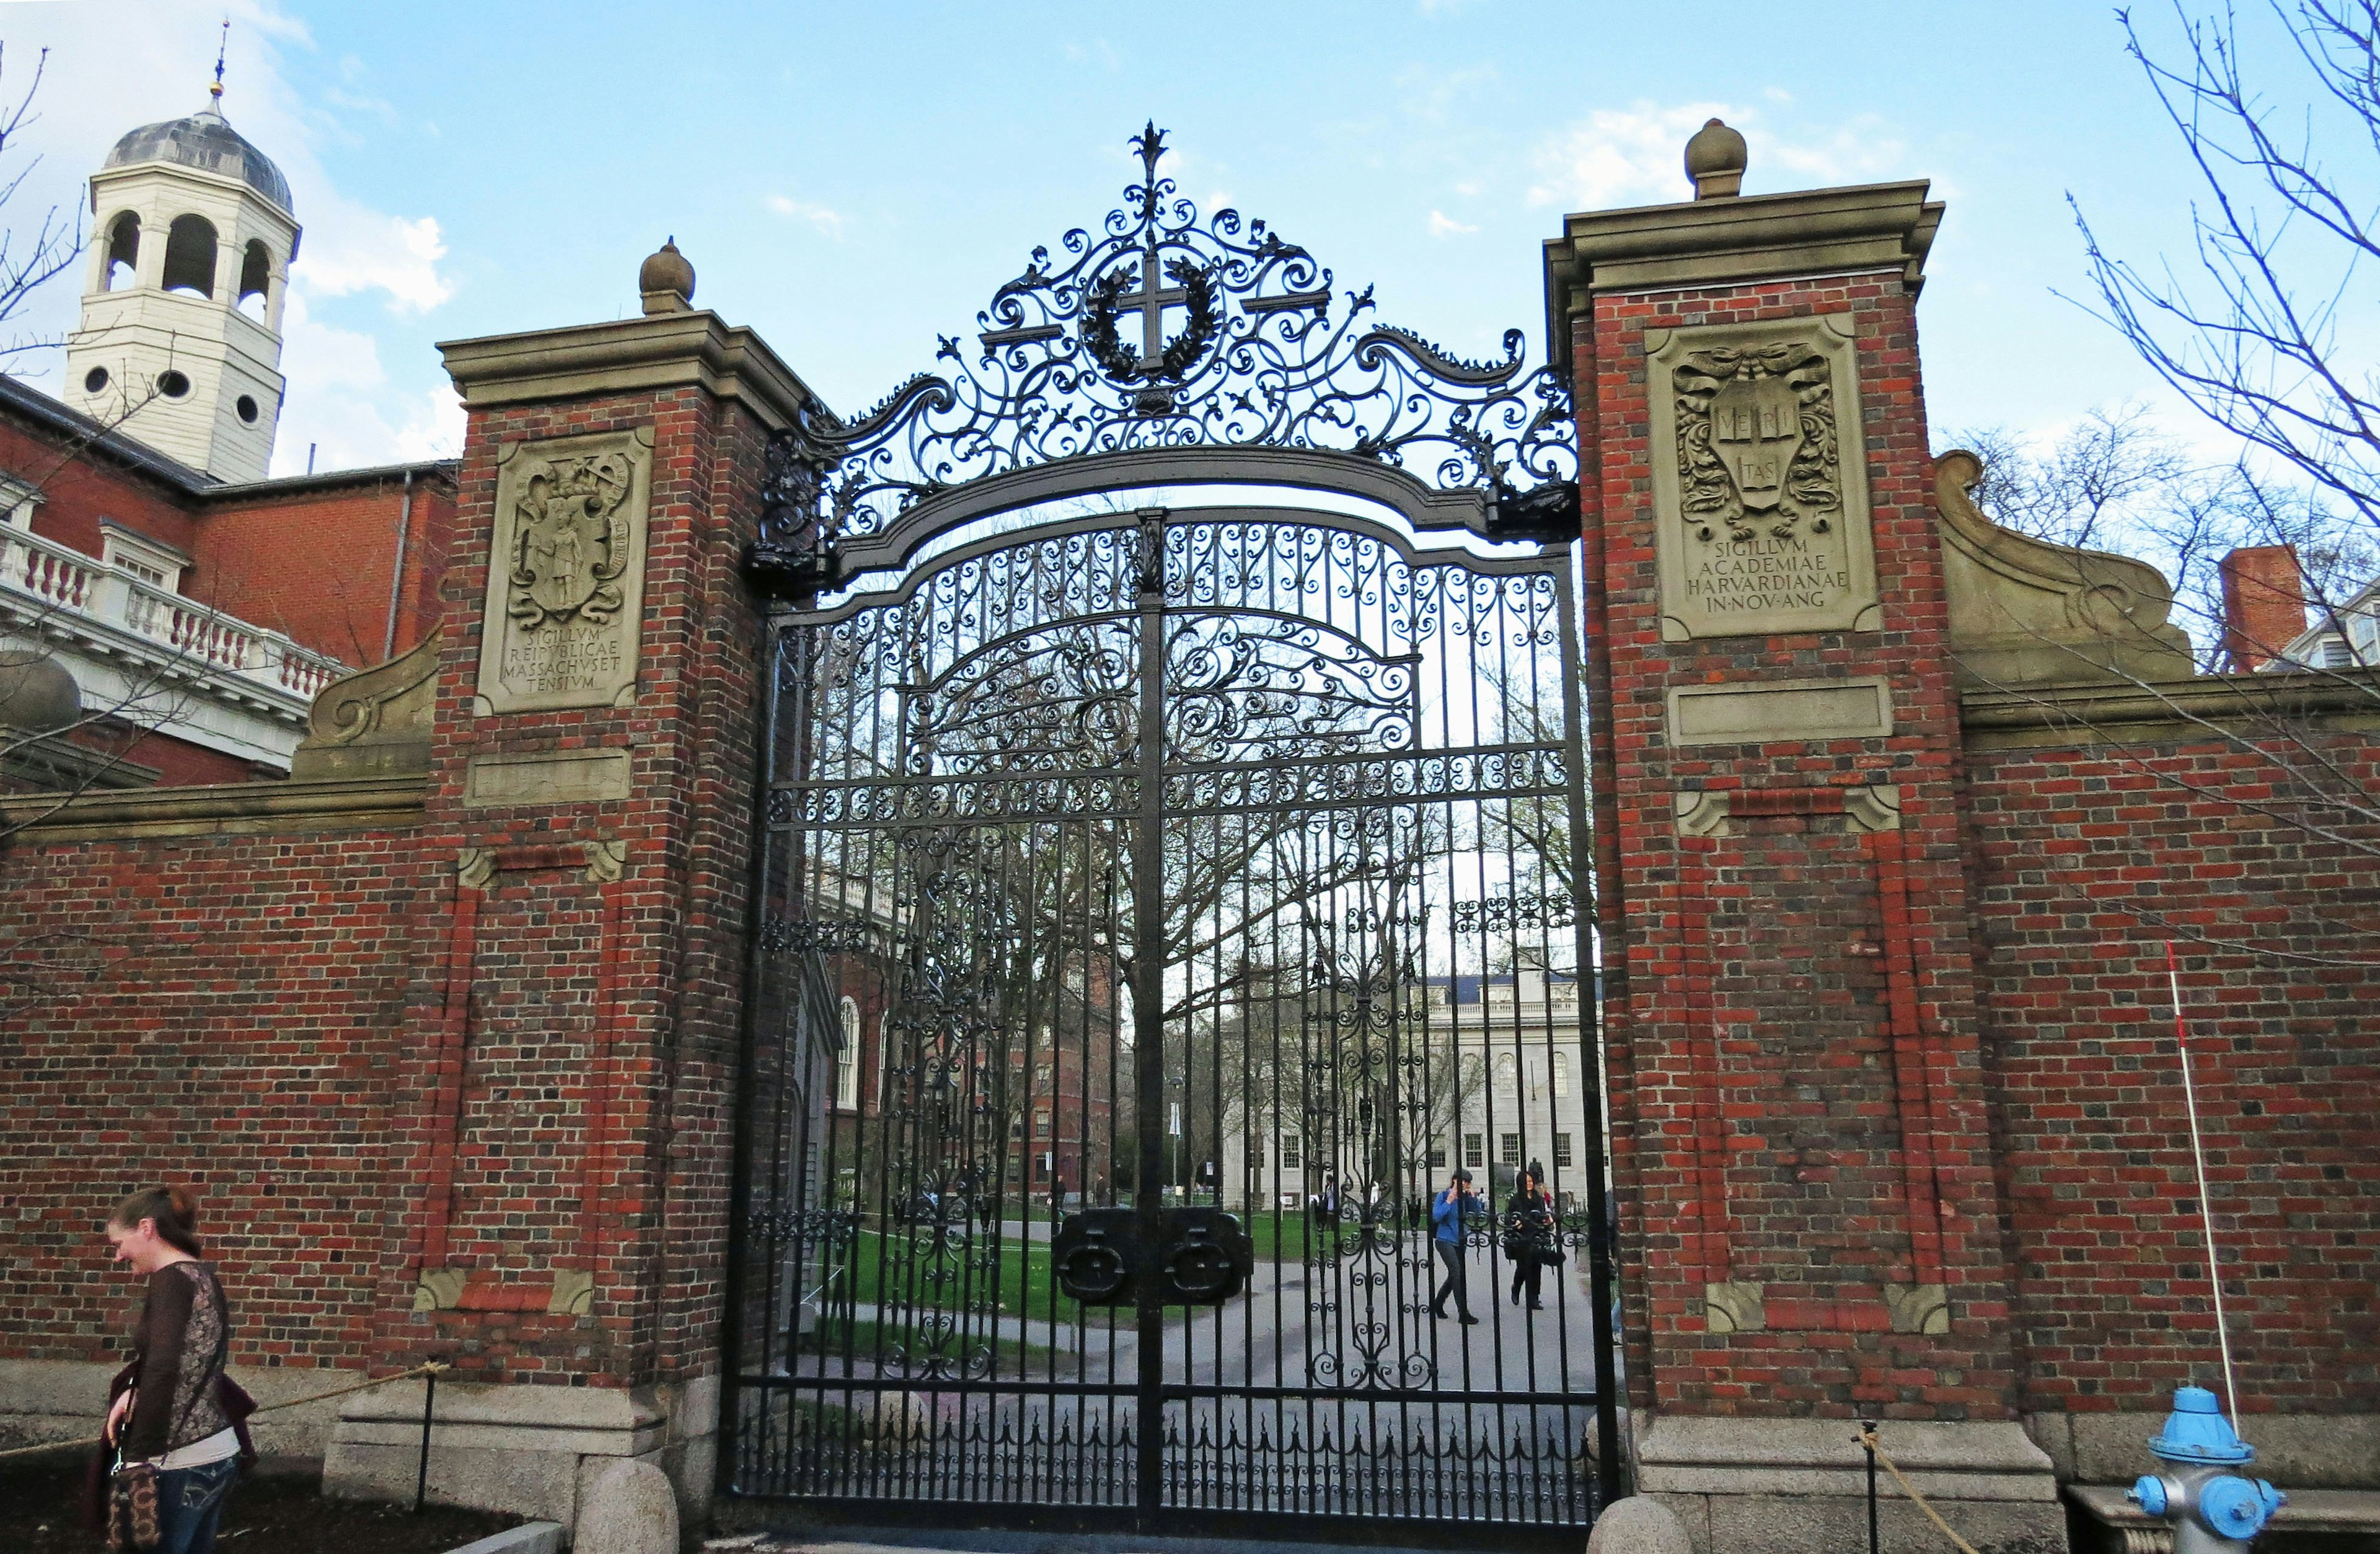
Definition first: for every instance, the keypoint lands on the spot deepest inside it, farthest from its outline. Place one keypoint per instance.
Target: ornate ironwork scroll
(1164, 329)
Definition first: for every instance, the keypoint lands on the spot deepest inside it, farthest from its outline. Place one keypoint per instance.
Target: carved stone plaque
(1760, 480)
(567, 573)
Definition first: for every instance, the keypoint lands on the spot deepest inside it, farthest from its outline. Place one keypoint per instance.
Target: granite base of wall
(1800, 1486)
(65, 1399)
(532, 1451)
(2294, 1451)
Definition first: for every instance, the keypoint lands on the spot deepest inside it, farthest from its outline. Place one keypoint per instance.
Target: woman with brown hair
(1528, 1237)
(167, 1411)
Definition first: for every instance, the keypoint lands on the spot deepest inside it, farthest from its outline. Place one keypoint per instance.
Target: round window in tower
(247, 408)
(94, 380)
(173, 385)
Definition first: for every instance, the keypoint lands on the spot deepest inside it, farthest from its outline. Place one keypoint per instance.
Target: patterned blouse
(180, 1346)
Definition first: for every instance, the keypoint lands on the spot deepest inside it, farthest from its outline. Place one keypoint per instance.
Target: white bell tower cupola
(180, 340)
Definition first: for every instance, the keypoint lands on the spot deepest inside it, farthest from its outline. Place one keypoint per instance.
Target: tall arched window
(255, 280)
(1508, 1074)
(123, 254)
(190, 256)
(1561, 1074)
(846, 1061)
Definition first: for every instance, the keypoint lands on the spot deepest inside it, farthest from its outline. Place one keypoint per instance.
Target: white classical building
(1493, 1076)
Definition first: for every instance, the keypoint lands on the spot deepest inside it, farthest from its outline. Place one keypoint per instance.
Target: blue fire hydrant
(2211, 1512)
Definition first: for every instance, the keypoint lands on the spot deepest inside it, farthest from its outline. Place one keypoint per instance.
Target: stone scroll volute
(567, 572)
(1760, 480)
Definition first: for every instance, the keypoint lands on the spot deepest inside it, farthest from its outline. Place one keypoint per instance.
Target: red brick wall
(2083, 865)
(636, 985)
(1819, 1155)
(318, 565)
(223, 1010)
(79, 491)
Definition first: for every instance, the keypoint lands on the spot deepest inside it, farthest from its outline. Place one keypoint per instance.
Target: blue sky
(851, 180)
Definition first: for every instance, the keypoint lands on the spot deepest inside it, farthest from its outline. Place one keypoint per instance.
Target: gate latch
(1202, 1257)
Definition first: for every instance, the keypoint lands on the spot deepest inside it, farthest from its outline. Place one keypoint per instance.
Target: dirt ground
(272, 1512)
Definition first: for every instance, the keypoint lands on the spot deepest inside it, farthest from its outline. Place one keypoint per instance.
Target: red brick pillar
(573, 1025)
(1810, 1229)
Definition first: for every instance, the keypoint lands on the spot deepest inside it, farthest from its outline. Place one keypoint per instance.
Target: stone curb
(530, 1538)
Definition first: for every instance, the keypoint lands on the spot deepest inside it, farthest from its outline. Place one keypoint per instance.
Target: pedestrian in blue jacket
(1447, 1213)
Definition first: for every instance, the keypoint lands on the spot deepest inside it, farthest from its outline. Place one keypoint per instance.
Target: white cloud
(370, 251)
(1443, 226)
(820, 216)
(1620, 156)
(322, 357)
(1636, 155)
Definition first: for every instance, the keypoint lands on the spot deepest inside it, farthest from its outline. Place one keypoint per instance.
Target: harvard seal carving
(1760, 480)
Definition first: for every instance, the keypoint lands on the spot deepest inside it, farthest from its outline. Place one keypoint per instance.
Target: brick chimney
(2263, 604)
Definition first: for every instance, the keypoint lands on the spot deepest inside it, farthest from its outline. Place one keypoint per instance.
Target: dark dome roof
(205, 140)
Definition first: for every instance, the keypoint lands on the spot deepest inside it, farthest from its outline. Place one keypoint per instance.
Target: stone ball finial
(1715, 159)
(667, 281)
(38, 694)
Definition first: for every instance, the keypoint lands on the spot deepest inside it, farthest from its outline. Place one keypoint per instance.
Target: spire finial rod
(1150, 144)
(221, 48)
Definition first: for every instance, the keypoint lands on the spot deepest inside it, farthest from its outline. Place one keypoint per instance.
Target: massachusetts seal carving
(565, 583)
(1759, 479)
(568, 540)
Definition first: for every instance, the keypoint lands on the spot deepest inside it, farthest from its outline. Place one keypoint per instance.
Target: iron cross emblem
(1145, 290)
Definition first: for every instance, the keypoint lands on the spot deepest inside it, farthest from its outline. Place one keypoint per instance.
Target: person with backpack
(1529, 1239)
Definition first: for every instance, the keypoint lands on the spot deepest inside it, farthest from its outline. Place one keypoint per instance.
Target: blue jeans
(190, 1505)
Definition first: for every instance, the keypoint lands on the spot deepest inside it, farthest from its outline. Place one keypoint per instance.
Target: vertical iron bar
(739, 1190)
(1149, 1010)
(1591, 1102)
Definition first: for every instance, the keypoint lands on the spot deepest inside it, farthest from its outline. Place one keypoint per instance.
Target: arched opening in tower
(122, 252)
(255, 279)
(190, 256)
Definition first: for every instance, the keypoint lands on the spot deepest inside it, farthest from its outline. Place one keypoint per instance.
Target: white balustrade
(60, 579)
(49, 579)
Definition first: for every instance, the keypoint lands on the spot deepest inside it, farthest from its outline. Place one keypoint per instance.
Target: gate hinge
(781, 573)
(1546, 513)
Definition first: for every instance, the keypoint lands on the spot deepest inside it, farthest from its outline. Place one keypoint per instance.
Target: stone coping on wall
(229, 810)
(2212, 708)
(628, 356)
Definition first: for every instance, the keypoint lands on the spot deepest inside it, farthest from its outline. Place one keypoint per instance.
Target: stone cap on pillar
(629, 356)
(1730, 238)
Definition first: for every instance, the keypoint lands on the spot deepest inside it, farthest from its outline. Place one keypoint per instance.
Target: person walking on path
(1447, 1213)
(165, 1409)
(1528, 1232)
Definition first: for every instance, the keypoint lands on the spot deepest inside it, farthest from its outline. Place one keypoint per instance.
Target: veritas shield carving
(1760, 480)
(566, 579)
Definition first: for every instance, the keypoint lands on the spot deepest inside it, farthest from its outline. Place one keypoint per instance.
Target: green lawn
(1020, 1279)
(868, 1337)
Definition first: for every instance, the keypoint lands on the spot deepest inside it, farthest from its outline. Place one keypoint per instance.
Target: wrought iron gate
(1128, 867)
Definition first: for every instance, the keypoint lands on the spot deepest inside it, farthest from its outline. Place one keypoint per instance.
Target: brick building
(1896, 812)
(196, 604)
